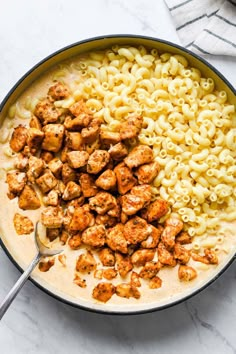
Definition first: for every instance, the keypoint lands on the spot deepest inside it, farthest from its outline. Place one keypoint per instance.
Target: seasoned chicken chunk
(80, 282)
(97, 161)
(107, 180)
(125, 178)
(144, 191)
(103, 291)
(91, 132)
(131, 127)
(87, 184)
(36, 168)
(18, 138)
(75, 241)
(52, 234)
(211, 256)
(78, 123)
(46, 182)
(34, 139)
(186, 273)
(21, 162)
(55, 165)
(64, 237)
(78, 107)
(124, 265)
(109, 138)
(106, 220)
(136, 230)
(23, 225)
(138, 198)
(16, 181)
(183, 238)
(157, 209)
(46, 112)
(109, 274)
(53, 138)
(52, 198)
(118, 152)
(107, 257)
(58, 91)
(86, 263)
(81, 219)
(72, 191)
(44, 266)
(28, 199)
(155, 283)
(140, 257)
(172, 227)
(150, 269)
(140, 155)
(102, 202)
(46, 156)
(77, 159)
(181, 254)
(127, 291)
(94, 236)
(67, 173)
(35, 123)
(153, 238)
(52, 217)
(74, 140)
(146, 173)
(116, 239)
(135, 279)
(164, 256)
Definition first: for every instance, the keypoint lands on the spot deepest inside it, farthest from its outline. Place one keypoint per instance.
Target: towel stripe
(219, 37)
(231, 2)
(179, 5)
(200, 49)
(189, 22)
(225, 20)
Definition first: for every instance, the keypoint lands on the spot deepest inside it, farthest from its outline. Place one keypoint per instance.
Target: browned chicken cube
(116, 211)
(58, 91)
(28, 199)
(78, 107)
(136, 230)
(74, 140)
(107, 180)
(55, 165)
(106, 220)
(52, 234)
(144, 191)
(86, 263)
(34, 139)
(97, 161)
(157, 209)
(118, 152)
(53, 139)
(102, 202)
(75, 241)
(46, 182)
(109, 138)
(18, 138)
(155, 283)
(153, 238)
(140, 257)
(52, 217)
(146, 173)
(150, 269)
(78, 123)
(52, 198)
(91, 132)
(72, 191)
(181, 254)
(125, 178)
(80, 282)
(21, 162)
(183, 238)
(127, 291)
(164, 256)
(80, 219)
(131, 127)
(77, 159)
(94, 236)
(135, 279)
(23, 225)
(131, 204)
(211, 256)
(67, 173)
(124, 265)
(116, 239)
(64, 237)
(46, 112)
(36, 168)
(140, 155)
(172, 227)
(103, 291)
(186, 273)
(35, 123)
(44, 266)
(107, 257)
(198, 258)
(87, 184)
(16, 182)
(109, 274)
(46, 156)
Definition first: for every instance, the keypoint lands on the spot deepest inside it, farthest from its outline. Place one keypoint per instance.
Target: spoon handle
(17, 287)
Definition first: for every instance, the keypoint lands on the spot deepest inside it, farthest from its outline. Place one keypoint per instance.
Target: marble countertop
(38, 324)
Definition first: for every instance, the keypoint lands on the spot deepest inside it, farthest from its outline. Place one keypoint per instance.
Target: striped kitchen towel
(206, 26)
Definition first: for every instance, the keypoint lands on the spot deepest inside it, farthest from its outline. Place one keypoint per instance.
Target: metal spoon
(43, 251)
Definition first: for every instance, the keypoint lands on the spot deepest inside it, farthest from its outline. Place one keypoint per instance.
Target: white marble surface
(36, 323)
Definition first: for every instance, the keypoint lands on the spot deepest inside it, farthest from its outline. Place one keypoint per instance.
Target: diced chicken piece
(80, 282)
(98, 274)
(186, 273)
(62, 259)
(46, 182)
(140, 155)
(125, 178)
(23, 225)
(144, 191)
(146, 173)
(123, 217)
(140, 257)
(97, 161)
(107, 180)
(153, 239)
(36, 168)
(136, 230)
(211, 256)
(80, 220)
(109, 274)
(35, 123)
(58, 91)
(115, 212)
(46, 156)
(16, 182)
(138, 198)
(77, 202)
(21, 162)
(109, 138)
(116, 239)
(78, 123)
(44, 266)
(118, 152)
(77, 159)
(18, 138)
(72, 191)
(87, 184)
(102, 202)
(67, 173)
(103, 291)
(52, 217)
(52, 198)
(78, 107)
(64, 151)
(127, 291)
(107, 257)
(75, 241)
(52, 234)
(91, 132)
(150, 269)
(34, 139)
(157, 209)
(28, 199)
(86, 263)
(94, 236)
(155, 283)
(198, 258)
(181, 254)
(55, 165)
(183, 238)
(53, 139)
(106, 220)
(64, 237)
(124, 265)
(46, 112)
(172, 227)
(74, 140)
(164, 256)
(131, 127)
(135, 280)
